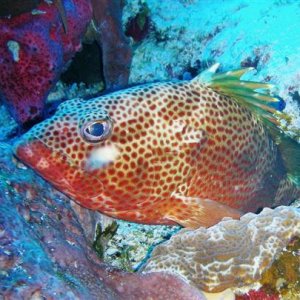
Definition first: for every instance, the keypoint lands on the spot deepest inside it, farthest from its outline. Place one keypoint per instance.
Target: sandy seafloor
(185, 37)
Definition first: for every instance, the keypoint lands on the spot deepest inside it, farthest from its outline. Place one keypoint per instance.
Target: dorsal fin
(255, 96)
(258, 98)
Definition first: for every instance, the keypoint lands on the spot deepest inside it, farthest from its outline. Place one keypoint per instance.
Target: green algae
(102, 238)
(142, 16)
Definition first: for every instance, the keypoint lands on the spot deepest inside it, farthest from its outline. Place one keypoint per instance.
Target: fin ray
(245, 85)
(254, 95)
(200, 212)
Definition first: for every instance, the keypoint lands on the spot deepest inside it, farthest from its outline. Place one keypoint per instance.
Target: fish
(186, 152)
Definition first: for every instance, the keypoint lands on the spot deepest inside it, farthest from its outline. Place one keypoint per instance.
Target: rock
(44, 252)
(116, 51)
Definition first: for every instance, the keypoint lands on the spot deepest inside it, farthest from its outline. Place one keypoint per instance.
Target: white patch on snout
(28, 152)
(101, 157)
(42, 164)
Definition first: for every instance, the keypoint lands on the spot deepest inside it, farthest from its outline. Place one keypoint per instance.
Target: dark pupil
(96, 129)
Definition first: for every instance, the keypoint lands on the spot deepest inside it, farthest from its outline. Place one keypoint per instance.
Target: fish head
(60, 148)
(104, 149)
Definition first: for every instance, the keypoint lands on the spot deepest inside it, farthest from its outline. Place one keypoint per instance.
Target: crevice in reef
(86, 66)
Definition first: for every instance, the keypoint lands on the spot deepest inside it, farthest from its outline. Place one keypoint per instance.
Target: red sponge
(34, 49)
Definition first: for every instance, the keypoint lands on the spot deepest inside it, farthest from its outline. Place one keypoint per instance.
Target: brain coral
(233, 253)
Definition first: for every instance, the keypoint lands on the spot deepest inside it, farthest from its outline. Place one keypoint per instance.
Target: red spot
(114, 138)
(126, 157)
(118, 165)
(218, 138)
(120, 174)
(130, 174)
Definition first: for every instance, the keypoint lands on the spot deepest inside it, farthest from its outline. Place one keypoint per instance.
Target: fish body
(162, 153)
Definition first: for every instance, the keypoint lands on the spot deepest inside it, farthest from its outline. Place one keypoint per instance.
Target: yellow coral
(284, 275)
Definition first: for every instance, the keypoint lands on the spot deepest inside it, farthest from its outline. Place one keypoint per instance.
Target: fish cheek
(80, 185)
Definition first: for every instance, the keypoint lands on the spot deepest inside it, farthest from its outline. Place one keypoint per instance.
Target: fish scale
(186, 152)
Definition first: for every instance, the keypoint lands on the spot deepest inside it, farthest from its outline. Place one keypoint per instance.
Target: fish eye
(96, 131)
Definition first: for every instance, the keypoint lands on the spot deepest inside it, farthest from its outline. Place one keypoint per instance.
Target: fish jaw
(59, 171)
(39, 157)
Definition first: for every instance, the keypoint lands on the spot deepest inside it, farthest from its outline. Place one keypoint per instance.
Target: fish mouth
(38, 156)
(55, 167)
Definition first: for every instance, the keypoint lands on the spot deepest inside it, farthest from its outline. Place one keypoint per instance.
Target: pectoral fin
(191, 212)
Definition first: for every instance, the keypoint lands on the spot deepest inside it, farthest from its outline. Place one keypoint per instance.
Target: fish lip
(25, 151)
(34, 153)
(23, 145)
(17, 146)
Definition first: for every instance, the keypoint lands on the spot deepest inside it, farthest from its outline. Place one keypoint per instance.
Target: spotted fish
(183, 152)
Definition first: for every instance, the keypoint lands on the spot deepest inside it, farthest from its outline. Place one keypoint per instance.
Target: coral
(46, 254)
(138, 26)
(116, 52)
(39, 40)
(62, 91)
(8, 127)
(281, 280)
(283, 276)
(34, 48)
(233, 253)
